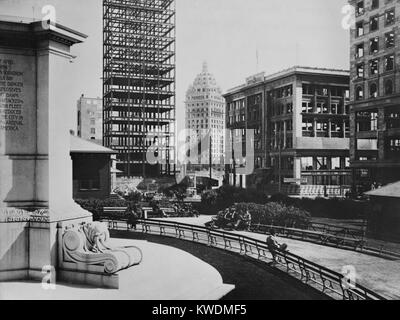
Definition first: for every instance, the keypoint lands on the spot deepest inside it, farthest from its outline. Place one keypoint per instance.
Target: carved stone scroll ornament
(88, 245)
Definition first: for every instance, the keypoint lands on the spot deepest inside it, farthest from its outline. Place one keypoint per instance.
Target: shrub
(133, 196)
(216, 200)
(273, 213)
(95, 206)
(226, 196)
(326, 208)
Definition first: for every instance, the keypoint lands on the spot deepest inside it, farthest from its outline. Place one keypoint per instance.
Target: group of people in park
(135, 212)
(232, 219)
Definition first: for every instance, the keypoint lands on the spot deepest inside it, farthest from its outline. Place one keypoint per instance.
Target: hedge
(95, 206)
(216, 200)
(273, 213)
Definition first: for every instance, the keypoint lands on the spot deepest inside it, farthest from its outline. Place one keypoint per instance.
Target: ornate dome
(206, 81)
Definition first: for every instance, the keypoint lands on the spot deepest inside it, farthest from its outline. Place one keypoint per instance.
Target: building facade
(139, 85)
(91, 166)
(300, 120)
(375, 93)
(205, 117)
(90, 119)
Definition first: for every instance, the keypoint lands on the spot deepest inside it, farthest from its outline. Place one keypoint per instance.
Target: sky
(227, 34)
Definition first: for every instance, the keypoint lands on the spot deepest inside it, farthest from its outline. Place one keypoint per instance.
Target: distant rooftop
(79, 145)
(18, 19)
(391, 191)
(261, 77)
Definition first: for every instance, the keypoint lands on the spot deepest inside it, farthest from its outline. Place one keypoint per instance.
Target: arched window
(388, 87)
(373, 90)
(359, 93)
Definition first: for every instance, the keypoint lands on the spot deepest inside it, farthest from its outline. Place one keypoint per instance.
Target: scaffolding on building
(139, 84)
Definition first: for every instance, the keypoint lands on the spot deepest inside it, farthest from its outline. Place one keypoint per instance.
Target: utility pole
(280, 163)
(130, 138)
(210, 155)
(144, 142)
(144, 123)
(233, 160)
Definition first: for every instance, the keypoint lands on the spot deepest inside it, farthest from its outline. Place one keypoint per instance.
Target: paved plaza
(378, 274)
(165, 273)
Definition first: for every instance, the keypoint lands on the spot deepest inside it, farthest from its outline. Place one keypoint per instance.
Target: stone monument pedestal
(35, 164)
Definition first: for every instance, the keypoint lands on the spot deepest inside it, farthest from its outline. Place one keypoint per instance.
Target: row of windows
(374, 23)
(280, 126)
(236, 105)
(309, 89)
(367, 121)
(206, 121)
(324, 163)
(283, 92)
(373, 90)
(394, 145)
(323, 108)
(205, 104)
(282, 109)
(206, 89)
(254, 100)
(318, 128)
(284, 143)
(205, 115)
(374, 45)
(388, 65)
(360, 6)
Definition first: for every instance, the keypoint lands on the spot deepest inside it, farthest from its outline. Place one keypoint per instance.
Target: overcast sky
(225, 33)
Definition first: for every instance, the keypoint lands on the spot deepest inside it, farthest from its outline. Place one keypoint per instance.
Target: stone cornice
(29, 35)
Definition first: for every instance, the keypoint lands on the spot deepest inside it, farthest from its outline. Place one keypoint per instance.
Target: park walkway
(375, 273)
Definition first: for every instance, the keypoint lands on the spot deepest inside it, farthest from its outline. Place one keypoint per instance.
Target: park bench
(147, 212)
(342, 241)
(115, 214)
(168, 211)
(322, 237)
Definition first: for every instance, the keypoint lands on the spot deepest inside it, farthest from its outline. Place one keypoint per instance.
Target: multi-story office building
(90, 119)
(375, 92)
(139, 85)
(205, 117)
(300, 119)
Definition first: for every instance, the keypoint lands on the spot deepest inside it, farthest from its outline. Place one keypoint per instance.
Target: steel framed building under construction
(139, 84)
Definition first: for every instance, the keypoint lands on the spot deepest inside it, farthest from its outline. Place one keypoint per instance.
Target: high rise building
(205, 118)
(300, 118)
(375, 92)
(90, 119)
(139, 84)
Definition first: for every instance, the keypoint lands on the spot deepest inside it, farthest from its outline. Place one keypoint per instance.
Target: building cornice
(296, 70)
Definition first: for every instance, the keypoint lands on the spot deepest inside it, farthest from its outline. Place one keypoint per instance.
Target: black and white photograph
(198, 155)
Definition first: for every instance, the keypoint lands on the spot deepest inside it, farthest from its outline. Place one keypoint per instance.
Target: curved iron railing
(328, 235)
(323, 279)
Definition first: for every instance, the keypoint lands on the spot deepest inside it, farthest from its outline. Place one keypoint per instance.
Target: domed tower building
(205, 117)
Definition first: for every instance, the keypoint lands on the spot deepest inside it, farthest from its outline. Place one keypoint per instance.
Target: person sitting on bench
(274, 245)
